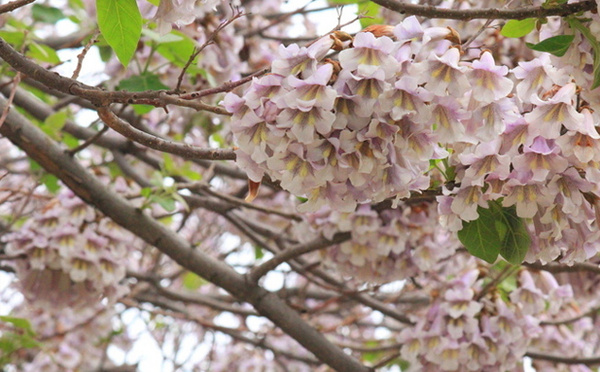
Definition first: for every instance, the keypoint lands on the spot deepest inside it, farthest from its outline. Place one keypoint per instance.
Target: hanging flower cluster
(365, 128)
(73, 339)
(353, 130)
(463, 333)
(388, 245)
(73, 255)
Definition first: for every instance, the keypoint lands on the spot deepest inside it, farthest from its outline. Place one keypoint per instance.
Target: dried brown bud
(380, 30)
(453, 36)
(337, 67)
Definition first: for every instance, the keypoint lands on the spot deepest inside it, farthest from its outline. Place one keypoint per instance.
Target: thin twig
(83, 53)
(97, 96)
(591, 312)
(241, 203)
(508, 271)
(296, 251)
(209, 41)
(88, 142)
(225, 87)
(563, 359)
(156, 143)
(386, 360)
(11, 97)
(13, 5)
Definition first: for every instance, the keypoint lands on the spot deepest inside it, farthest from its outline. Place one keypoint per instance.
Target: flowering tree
(421, 195)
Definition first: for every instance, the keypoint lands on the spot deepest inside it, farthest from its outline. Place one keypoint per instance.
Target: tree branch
(156, 143)
(563, 359)
(13, 5)
(97, 96)
(405, 7)
(554, 267)
(94, 192)
(296, 251)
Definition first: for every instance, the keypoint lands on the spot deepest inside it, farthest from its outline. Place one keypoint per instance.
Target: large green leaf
(557, 45)
(516, 240)
(480, 237)
(120, 23)
(497, 231)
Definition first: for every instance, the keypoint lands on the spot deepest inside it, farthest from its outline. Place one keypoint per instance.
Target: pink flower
(442, 75)
(488, 81)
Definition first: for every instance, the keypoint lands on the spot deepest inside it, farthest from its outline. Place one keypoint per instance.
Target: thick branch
(405, 7)
(85, 185)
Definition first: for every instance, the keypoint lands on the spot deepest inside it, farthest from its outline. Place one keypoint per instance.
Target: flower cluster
(463, 333)
(73, 256)
(386, 245)
(73, 339)
(353, 130)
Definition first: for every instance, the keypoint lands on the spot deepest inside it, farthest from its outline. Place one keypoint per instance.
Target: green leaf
(178, 52)
(70, 140)
(51, 182)
(371, 10)
(516, 241)
(120, 23)
(515, 28)
(497, 231)
(77, 4)
(192, 281)
(139, 83)
(105, 52)
(145, 192)
(557, 45)
(585, 31)
(46, 14)
(54, 124)
(155, 36)
(14, 38)
(165, 201)
(42, 53)
(258, 252)
(17, 322)
(480, 237)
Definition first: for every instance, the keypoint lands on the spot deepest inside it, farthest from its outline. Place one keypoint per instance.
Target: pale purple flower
(305, 124)
(310, 92)
(528, 296)
(526, 197)
(488, 81)
(547, 117)
(537, 75)
(407, 99)
(447, 116)
(370, 54)
(482, 161)
(465, 203)
(442, 75)
(539, 160)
